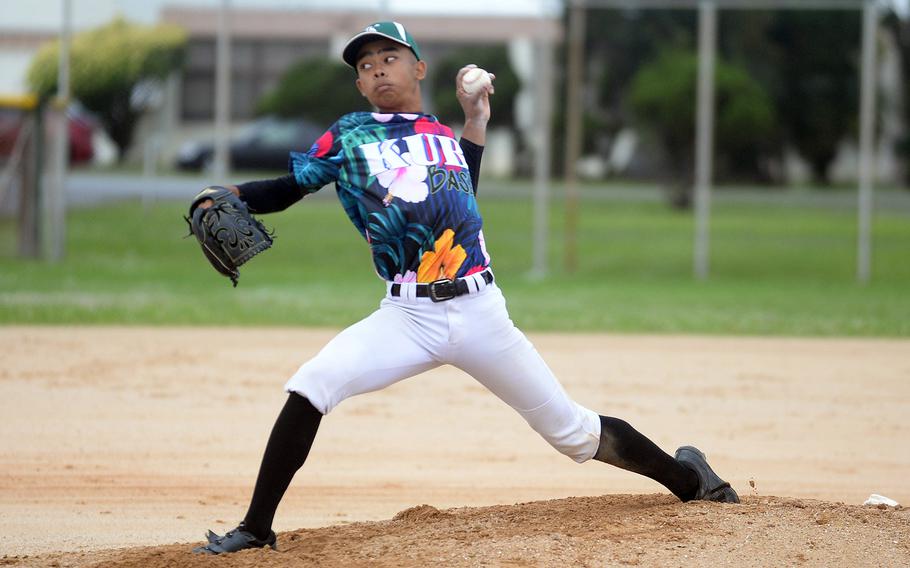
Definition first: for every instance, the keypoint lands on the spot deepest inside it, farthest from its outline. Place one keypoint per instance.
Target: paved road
(90, 188)
(85, 189)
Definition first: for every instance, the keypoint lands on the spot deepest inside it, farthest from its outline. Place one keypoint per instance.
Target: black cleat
(710, 486)
(234, 540)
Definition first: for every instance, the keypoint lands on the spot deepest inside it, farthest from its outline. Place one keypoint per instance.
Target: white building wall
(13, 67)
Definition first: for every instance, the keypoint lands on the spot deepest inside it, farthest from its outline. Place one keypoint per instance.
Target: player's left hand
(228, 234)
(476, 106)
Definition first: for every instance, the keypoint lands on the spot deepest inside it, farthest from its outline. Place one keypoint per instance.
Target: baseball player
(409, 187)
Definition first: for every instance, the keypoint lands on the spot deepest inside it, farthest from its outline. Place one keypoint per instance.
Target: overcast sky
(44, 14)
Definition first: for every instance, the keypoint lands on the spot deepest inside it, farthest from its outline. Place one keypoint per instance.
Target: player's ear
(421, 70)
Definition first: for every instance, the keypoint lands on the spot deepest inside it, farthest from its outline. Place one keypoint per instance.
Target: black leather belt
(442, 290)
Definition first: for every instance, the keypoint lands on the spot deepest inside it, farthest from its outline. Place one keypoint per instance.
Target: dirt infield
(146, 437)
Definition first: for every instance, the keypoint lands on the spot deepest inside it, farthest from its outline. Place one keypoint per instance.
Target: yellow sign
(24, 102)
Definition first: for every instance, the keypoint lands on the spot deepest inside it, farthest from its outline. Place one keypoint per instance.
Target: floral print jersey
(405, 184)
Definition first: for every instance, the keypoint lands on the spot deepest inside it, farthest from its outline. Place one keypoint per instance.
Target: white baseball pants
(409, 335)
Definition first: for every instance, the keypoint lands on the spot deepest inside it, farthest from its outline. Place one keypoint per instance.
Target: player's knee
(318, 402)
(578, 450)
(303, 403)
(574, 442)
(313, 385)
(575, 436)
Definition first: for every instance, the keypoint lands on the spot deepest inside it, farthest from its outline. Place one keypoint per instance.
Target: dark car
(262, 145)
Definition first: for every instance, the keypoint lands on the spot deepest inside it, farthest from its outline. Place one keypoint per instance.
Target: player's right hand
(476, 106)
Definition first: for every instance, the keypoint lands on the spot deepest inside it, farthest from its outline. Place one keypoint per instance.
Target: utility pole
(222, 159)
(867, 143)
(55, 197)
(704, 142)
(543, 104)
(574, 110)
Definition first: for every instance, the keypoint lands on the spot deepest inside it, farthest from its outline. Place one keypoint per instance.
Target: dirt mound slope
(611, 530)
(121, 445)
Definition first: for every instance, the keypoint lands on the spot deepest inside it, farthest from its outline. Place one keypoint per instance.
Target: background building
(264, 43)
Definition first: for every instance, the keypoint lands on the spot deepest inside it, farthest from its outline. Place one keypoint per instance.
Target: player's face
(389, 76)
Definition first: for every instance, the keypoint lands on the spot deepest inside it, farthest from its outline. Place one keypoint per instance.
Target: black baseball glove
(228, 233)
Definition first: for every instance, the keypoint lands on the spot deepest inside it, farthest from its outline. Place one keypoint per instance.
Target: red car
(81, 128)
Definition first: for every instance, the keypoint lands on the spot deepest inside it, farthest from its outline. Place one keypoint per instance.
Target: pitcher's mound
(642, 530)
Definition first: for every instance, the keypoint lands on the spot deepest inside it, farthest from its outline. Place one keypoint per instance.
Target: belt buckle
(446, 293)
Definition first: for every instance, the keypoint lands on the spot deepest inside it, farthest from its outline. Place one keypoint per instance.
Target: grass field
(775, 270)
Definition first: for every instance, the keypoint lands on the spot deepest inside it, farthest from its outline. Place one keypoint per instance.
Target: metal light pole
(55, 204)
(867, 143)
(543, 103)
(574, 108)
(222, 157)
(704, 138)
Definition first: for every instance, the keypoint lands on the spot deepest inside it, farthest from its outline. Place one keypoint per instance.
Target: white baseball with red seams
(475, 80)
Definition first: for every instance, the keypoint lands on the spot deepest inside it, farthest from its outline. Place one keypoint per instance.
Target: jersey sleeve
(320, 165)
(269, 196)
(472, 155)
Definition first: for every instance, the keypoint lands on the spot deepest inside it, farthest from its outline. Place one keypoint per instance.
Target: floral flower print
(444, 261)
(409, 276)
(408, 183)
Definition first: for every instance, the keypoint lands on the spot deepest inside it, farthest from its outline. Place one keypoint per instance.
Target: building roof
(327, 25)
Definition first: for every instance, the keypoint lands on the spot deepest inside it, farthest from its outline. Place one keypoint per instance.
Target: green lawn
(775, 270)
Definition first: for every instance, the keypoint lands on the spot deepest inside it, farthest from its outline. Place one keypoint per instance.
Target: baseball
(475, 80)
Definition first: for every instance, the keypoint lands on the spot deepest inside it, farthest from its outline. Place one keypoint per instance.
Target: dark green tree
(899, 28)
(617, 43)
(621, 41)
(320, 90)
(494, 59)
(817, 89)
(663, 96)
(107, 66)
(805, 60)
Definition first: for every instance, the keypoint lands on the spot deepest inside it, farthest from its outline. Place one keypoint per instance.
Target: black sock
(287, 449)
(625, 447)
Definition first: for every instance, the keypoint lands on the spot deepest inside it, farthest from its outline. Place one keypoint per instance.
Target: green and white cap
(388, 30)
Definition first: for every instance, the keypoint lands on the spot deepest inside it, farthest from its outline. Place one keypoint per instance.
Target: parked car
(81, 129)
(82, 125)
(262, 145)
